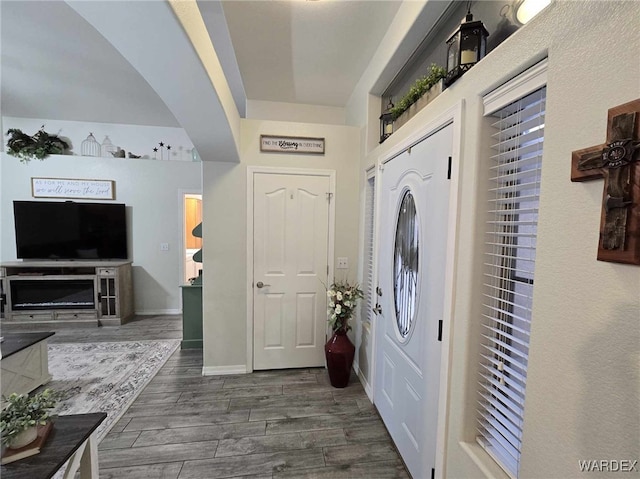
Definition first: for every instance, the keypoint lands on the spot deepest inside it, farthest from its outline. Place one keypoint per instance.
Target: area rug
(107, 377)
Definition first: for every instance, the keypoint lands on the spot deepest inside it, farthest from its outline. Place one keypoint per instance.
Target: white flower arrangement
(343, 299)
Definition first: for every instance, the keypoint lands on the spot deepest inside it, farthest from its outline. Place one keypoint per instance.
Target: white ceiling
(311, 52)
(56, 65)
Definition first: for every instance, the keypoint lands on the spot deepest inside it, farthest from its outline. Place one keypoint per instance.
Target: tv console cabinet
(39, 294)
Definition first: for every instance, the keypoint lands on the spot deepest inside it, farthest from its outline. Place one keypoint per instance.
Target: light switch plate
(343, 263)
(164, 246)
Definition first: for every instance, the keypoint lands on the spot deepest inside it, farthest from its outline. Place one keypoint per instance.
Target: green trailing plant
(37, 146)
(23, 411)
(419, 88)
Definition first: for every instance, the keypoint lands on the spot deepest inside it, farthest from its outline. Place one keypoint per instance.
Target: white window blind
(366, 312)
(510, 248)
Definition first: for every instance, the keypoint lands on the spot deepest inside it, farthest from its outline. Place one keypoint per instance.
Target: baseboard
(110, 322)
(191, 344)
(158, 312)
(224, 370)
(363, 380)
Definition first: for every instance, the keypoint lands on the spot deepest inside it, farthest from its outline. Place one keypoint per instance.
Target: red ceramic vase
(339, 352)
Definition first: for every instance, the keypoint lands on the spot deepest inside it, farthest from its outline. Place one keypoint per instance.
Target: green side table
(191, 316)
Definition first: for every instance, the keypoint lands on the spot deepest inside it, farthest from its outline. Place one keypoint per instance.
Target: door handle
(260, 284)
(377, 309)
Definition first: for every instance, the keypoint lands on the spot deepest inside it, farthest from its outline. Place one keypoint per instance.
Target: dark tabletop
(68, 433)
(15, 342)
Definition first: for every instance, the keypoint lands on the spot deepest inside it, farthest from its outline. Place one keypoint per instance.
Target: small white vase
(24, 438)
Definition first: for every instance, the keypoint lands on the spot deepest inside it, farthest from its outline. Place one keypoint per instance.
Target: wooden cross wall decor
(618, 161)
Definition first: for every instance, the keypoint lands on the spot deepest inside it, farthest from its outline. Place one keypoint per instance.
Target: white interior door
(413, 234)
(290, 243)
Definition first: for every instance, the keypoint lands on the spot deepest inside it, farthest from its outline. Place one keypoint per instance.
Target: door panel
(305, 328)
(274, 319)
(274, 222)
(413, 236)
(291, 220)
(388, 388)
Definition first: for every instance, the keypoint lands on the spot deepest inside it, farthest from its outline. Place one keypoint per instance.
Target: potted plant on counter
(339, 350)
(22, 414)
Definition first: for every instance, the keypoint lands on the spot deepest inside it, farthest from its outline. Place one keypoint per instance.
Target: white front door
(290, 251)
(414, 201)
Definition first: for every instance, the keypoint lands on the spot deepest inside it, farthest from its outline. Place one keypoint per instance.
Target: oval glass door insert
(405, 265)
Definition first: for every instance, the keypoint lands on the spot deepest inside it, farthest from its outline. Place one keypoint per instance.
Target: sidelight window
(510, 251)
(366, 311)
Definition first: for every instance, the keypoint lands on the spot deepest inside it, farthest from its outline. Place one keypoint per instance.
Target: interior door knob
(260, 284)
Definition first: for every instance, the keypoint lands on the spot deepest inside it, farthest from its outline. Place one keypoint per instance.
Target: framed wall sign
(72, 188)
(292, 144)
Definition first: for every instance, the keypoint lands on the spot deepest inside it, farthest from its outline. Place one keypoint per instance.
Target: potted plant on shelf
(37, 146)
(22, 414)
(339, 350)
(422, 91)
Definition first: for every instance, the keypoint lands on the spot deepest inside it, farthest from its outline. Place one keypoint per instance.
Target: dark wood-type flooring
(269, 424)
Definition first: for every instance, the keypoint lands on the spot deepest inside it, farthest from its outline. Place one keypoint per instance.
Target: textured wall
(583, 388)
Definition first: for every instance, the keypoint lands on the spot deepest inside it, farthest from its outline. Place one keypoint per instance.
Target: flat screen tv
(70, 230)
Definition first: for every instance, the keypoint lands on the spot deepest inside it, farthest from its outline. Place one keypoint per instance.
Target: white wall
(583, 386)
(150, 190)
(294, 112)
(225, 227)
(137, 139)
(147, 34)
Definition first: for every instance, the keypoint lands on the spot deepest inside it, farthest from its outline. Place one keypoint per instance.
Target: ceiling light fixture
(527, 9)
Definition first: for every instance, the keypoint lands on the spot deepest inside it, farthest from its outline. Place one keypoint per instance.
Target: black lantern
(386, 122)
(465, 48)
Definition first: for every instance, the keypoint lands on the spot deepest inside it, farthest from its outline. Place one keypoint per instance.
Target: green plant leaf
(418, 89)
(37, 146)
(23, 411)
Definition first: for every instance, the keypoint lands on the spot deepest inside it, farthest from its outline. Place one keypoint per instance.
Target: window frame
(508, 285)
